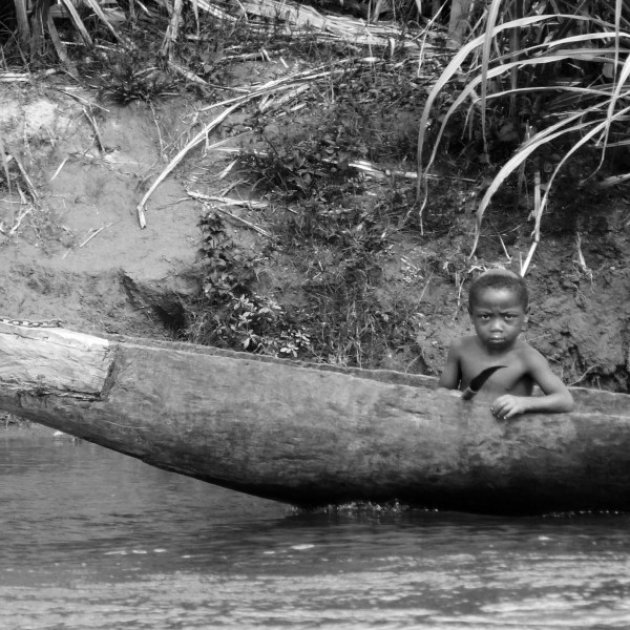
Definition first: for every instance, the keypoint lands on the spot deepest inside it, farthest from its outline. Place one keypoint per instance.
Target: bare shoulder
(465, 343)
(532, 359)
(529, 353)
(462, 346)
(556, 397)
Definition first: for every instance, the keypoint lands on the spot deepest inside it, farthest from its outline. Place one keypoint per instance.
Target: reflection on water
(93, 539)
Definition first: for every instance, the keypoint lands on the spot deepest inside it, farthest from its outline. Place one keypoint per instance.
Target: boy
(498, 304)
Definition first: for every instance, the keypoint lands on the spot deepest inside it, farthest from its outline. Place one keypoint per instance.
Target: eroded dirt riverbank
(71, 246)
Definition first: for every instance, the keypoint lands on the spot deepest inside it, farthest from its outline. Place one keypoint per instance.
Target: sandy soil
(77, 251)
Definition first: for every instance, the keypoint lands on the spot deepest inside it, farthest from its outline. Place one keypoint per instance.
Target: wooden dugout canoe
(312, 435)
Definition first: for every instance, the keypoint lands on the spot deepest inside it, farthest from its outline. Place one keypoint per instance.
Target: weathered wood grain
(53, 360)
(309, 435)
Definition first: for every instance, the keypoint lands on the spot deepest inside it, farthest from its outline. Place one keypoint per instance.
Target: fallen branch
(341, 28)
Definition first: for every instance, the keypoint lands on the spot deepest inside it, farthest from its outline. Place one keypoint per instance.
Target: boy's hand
(508, 406)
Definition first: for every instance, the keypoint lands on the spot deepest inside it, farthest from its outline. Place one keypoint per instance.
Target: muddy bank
(71, 247)
(70, 244)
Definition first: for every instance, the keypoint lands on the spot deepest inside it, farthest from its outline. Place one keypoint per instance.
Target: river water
(93, 539)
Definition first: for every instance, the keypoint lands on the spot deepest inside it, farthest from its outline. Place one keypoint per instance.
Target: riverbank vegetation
(372, 152)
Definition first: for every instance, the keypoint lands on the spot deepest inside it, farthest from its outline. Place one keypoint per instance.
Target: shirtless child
(498, 304)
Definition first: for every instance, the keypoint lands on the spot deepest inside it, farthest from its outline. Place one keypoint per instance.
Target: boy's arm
(451, 375)
(556, 399)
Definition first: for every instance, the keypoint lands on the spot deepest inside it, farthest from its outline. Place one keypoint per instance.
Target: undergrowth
(342, 255)
(230, 312)
(342, 314)
(335, 225)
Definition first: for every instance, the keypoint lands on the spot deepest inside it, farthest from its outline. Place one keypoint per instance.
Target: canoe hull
(311, 436)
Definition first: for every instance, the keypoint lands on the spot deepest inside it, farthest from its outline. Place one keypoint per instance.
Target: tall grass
(555, 75)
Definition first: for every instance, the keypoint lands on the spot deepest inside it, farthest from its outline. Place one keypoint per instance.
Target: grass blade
(96, 7)
(21, 13)
(537, 141)
(493, 13)
(451, 71)
(597, 129)
(5, 164)
(77, 21)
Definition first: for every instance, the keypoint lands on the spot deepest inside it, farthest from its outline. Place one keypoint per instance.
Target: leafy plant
(231, 313)
(301, 170)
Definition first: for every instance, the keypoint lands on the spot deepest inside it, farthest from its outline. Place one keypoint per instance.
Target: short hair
(499, 279)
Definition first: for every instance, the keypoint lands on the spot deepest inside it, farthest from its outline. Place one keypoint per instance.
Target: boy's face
(498, 317)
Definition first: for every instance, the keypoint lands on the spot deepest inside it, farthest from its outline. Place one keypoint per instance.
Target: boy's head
(499, 279)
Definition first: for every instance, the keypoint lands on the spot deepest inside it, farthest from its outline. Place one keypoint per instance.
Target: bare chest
(512, 378)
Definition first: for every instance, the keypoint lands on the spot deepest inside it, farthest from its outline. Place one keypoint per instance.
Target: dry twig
(21, 217)
(58, 169)
(230, 201)
(245, 222)
(4, 159)
(27, 180)
(93, 233)
(537, 216)
(97, 133)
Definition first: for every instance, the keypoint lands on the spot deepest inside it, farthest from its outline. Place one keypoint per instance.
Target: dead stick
(97, 133)
(27, 179)
(159, 132)
(15, 228)
(243, 221)
(228, 201)
(4, 159)
(91, 236)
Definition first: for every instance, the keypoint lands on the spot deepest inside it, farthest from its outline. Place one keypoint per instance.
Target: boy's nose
(496, 324)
